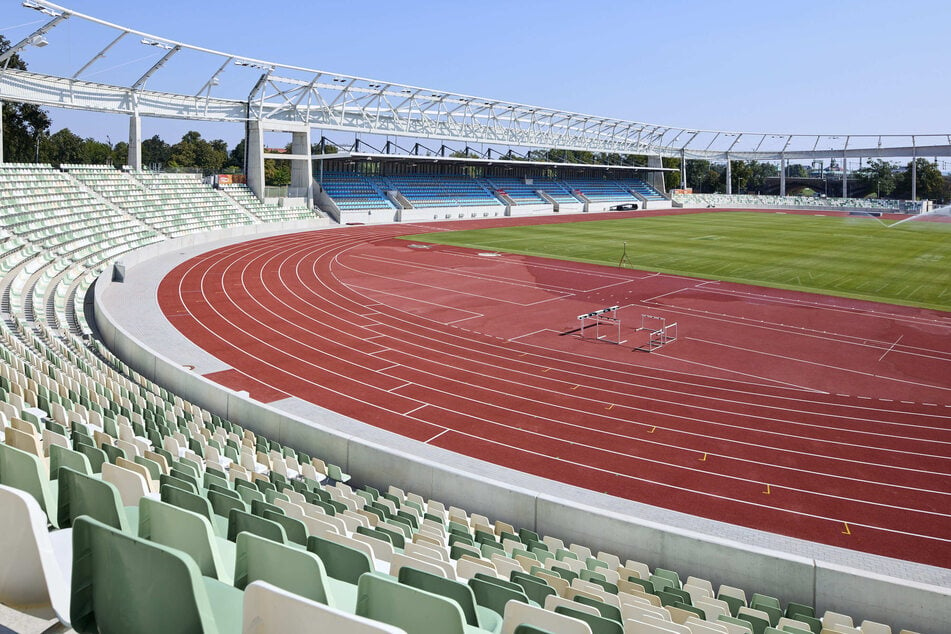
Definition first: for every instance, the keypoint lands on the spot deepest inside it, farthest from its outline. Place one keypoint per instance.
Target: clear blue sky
(850, 66)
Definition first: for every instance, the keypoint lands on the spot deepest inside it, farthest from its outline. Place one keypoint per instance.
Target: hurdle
(660, 333)
(601, 317)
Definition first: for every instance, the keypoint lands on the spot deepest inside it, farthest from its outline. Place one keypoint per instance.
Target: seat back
(294, 570)
(598, 624)
(239, 521)
(64, 457)
(37, 585)
(517, 613)
(416, 611)
(130, 484)
(126, 584)
(341, 561)
(189, 532)
(268, 609)
(186, 500)
(24, 471)
(95, 455)
(437, 584)
(494, 596)
(80, 494)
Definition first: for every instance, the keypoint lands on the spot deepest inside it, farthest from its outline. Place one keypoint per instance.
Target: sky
(837, 67)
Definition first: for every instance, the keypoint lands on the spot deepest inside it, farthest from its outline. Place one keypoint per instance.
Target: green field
(848, 257)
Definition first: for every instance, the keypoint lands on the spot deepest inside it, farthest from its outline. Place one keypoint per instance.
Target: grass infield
(858, 257)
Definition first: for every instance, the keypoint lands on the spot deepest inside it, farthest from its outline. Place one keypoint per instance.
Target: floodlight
(156, 44)
(38, 41)
(247, 64)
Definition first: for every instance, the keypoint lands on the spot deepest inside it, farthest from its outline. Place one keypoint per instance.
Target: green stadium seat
(156, 589)
(269, 609)
(418, 612)
(190, 533)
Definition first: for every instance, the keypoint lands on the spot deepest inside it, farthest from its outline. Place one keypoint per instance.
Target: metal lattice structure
(282, 96)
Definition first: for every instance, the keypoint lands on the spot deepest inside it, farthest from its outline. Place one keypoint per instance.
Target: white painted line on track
(436, 436)
(890, 348)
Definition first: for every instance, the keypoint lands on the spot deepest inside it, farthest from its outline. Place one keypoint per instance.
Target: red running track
(815, 417)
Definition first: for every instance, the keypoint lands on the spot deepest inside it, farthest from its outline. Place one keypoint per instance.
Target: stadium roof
(287, 95)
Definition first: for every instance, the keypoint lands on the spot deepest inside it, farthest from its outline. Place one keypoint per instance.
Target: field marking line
(826, 365)
(704, 474)
(436, 436)
(842, 338)
(529, 334)
(892, 347)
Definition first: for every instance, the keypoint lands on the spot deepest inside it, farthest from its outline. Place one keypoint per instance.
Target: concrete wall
(423, 214)
(367, 216)
(602, 522)
(531, 210)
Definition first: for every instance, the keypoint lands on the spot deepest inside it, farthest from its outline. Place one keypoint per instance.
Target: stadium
(450, 378)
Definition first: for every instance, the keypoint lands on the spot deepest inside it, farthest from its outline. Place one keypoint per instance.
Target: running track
(814, 417)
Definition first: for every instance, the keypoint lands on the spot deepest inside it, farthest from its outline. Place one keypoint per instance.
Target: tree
(62, 147)
(23, 124)
(155, 152)
(120, 154)
(797, 170)
(878, 176)
(671, 179)
(194, 151)
(277, 173)
(930, 183)
(96, 152)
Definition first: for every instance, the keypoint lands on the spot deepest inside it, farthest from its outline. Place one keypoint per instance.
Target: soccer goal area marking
(607, 317)
(659, 332)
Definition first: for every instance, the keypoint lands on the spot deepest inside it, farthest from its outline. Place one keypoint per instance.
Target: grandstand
(759, 201)
(139, 495)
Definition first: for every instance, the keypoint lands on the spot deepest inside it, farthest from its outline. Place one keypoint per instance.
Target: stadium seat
(517, 613)
(123, 583)
(294, 570)
(27, 472)
(418, 612)
(80, 494)
(494, 596)
(475, 615)
(34, 563)
(268, 608)
(598, 624)
(190, 533)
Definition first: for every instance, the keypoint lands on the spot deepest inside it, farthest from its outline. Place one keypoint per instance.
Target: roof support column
(302, 170)
(729, 176)
(845, 177)
(914, 174)
(683, 168)
(254, 157)
(782, 176)
(134, 158)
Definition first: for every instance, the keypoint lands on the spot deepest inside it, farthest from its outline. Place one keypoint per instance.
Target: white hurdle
(599, 317)
(660, 333)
